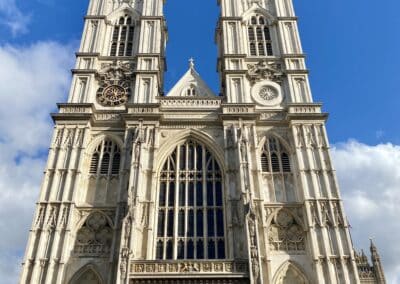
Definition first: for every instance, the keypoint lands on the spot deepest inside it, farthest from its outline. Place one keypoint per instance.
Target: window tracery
(260, 42)
(285, 233)
(94, 237)
(190, 206)
(276, 168)
(104, 173)
(122, 37)
(106, 159)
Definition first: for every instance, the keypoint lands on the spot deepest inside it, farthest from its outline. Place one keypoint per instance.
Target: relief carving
(285, 233)
(264, 70)
(94, 237)
(115, 80)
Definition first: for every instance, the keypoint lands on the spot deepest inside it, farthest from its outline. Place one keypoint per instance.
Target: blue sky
(351, 48)
(352, 53)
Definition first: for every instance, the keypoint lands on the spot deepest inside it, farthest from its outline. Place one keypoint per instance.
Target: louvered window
(275, 165)
(259, 36)
(122, 37)
(190, 200)
(106, 159)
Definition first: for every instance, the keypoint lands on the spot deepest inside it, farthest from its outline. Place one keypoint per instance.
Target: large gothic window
(190, 206)
(104, 173)
(122, 38)
(260, 43)
(276, 167)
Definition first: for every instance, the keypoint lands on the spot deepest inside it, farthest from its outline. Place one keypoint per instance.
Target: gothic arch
(121, 11)
(290, 273)
(204, 138)
(273, 134)
(94, 235)
(99, 138)
(200, 190)
(83, 220)
(285, 231)
(273, 215)
(256, 9)
(87, 275)
(102, 163)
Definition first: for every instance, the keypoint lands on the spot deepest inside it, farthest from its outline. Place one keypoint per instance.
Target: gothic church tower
(191, 187)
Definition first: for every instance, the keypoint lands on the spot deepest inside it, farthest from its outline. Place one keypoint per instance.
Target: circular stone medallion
(113, 95)
(267, 93)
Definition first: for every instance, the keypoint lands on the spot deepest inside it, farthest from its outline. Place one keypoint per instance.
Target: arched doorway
(289, 273)
(86, 276)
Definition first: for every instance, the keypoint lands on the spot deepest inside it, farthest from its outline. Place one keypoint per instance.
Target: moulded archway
(191, 188)
(290, 273)
(87, 275)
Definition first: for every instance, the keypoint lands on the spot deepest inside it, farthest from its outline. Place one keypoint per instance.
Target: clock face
(267, 93)
(113, 95)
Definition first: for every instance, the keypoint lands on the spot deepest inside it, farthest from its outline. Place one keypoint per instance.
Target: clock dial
(113, 95)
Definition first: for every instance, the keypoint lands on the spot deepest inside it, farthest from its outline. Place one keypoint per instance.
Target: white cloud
(13, 18)
(370, 184)
(32, 79)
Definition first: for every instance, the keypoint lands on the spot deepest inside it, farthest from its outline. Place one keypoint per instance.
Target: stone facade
(191, 187)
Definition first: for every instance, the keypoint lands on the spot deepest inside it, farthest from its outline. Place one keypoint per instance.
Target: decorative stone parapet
(238, 108)
(203, 103)
(75, 108)
(304, 108)
(200, 267)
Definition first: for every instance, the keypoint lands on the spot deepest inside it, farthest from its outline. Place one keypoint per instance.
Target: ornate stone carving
(79, 138)
(69, 138)
(326, 218)
(268, 93)
(310, 134)
(177, 267)
(40, 217)
(94, 237)
(338, 215)
(58, 139)
(264, 70)
(52, 219)
(285, 233)
(115, 80)
(64, 217)
(254, 257)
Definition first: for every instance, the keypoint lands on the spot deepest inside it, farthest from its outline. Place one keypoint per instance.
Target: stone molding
(198, 267)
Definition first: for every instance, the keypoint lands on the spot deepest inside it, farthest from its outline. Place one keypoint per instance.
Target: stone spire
(377, 264)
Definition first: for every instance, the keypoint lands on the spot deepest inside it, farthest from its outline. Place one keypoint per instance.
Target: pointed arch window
(259, 35)
(276, 167)
(104, 170)
(190, 206)
(106, 159)
(122, 37)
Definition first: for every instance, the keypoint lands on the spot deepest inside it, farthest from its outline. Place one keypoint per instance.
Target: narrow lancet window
(122, 37)
(259, 36)
(275, 166)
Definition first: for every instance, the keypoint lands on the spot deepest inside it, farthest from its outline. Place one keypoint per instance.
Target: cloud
(370, 184)
(32, 79)
(13, 17)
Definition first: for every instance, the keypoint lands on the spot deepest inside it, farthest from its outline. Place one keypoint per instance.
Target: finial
(191, 63)
(371, 239)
